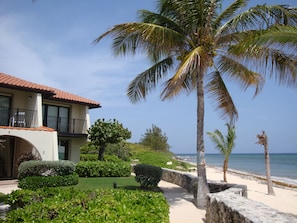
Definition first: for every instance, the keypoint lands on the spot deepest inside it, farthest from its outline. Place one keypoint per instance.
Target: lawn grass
(94, 183)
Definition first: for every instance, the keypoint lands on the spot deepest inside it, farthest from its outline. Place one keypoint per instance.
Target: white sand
(182, 209)
(285, 199)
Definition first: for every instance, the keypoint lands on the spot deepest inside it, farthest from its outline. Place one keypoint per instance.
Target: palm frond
(218, 91)
(238, 72)
(146, 81)
(193, 63)
(155, 18)
(145, 37)
(230, 11)
(260, 17)
(218, 139)
(272, 62)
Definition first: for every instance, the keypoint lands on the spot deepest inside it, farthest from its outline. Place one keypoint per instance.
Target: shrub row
(46, 168)
(71, 205)
(148, 175)
(103, 169)
(34, 182)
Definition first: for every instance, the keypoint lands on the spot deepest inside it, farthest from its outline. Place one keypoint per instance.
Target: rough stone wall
(228, 203)
(228, 207)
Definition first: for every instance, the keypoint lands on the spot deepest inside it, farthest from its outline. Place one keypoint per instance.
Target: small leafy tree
(155, 139)
(104, 132)
(224, 145)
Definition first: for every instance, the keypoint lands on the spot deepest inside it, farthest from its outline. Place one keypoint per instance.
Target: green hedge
(103, 169)
(148, 175)
(71, 205)
(46, 168)
(34, 182)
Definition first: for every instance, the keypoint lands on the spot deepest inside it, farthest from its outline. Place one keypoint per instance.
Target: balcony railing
(28, 119)
(18, 117)
(66, 125)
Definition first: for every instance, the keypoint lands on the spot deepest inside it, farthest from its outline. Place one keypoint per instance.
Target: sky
(50, 42)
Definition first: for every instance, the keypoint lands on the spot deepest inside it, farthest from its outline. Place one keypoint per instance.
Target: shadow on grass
(151, 189)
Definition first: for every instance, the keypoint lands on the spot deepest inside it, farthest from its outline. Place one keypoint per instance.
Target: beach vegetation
(224, 144)
(148, 175)
(102, 133)
(155, 139)
(101, 205)
(103, 168)
(204, 45)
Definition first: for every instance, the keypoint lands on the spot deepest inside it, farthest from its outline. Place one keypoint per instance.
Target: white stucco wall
(44, 141)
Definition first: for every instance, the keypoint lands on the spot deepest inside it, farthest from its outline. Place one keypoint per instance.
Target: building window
(5, 102)
(63, 149)
(56, 117)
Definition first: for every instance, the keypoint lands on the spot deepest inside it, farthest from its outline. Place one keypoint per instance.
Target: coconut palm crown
(196, 45)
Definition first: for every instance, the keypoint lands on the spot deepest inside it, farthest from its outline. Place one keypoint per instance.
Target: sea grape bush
(148, 175)
(34, 182)
(103, 169)
(73, 205)
(37, 174)
(46, 168)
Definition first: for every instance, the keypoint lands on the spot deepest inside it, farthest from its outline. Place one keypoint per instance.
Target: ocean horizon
(283, 166)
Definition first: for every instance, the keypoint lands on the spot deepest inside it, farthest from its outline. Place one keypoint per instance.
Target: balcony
(24, 118)
(18, 117)
(66, 126)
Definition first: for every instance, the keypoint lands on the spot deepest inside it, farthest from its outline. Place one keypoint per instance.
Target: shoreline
(280, 181)
(284, 200)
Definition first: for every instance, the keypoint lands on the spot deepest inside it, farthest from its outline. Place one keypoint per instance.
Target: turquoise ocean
(283, 165)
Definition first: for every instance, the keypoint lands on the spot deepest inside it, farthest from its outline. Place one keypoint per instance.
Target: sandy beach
(182, 210)
(285, 199)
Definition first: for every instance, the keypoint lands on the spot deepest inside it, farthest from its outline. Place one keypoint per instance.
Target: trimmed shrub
(46, 168)
(148, 175)
(34, 182)
(88, 157)
(71, 205)
(103, 169)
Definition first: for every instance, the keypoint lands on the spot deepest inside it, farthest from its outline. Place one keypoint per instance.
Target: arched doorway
(11, 148)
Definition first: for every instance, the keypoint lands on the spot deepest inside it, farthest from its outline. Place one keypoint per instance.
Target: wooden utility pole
(263, 140)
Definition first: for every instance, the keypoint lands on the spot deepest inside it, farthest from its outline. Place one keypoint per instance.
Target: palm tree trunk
(225, 168)
(263, 140)
(202, 188)
(268, 175)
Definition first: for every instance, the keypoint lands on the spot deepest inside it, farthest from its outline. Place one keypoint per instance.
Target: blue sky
(50, 42)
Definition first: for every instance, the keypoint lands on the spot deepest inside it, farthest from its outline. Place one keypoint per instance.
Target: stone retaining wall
(228, 202)
(227, 206)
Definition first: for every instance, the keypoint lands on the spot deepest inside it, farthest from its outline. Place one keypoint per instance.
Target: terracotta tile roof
(9, 81)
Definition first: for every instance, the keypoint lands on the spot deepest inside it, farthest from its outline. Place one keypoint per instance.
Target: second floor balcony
(24, 118)
(18, 117)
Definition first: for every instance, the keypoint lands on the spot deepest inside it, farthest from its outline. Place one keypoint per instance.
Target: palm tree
(263, 140)
(224, 145)
(198, 40)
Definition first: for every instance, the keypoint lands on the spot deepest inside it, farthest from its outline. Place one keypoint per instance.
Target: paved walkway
(182, 209)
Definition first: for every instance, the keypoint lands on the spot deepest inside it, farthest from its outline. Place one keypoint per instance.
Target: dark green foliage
(120, 150)
(103, 169)
(155, 139)
(46, 168)
(88, 148)
(148, 175)
(34, 182)
(88, 157)
(70, 205)
(104, 132)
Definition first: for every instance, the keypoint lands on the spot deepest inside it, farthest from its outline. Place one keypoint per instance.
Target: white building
(50, 123)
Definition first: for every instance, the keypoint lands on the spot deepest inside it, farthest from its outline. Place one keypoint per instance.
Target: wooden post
(263, 140)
